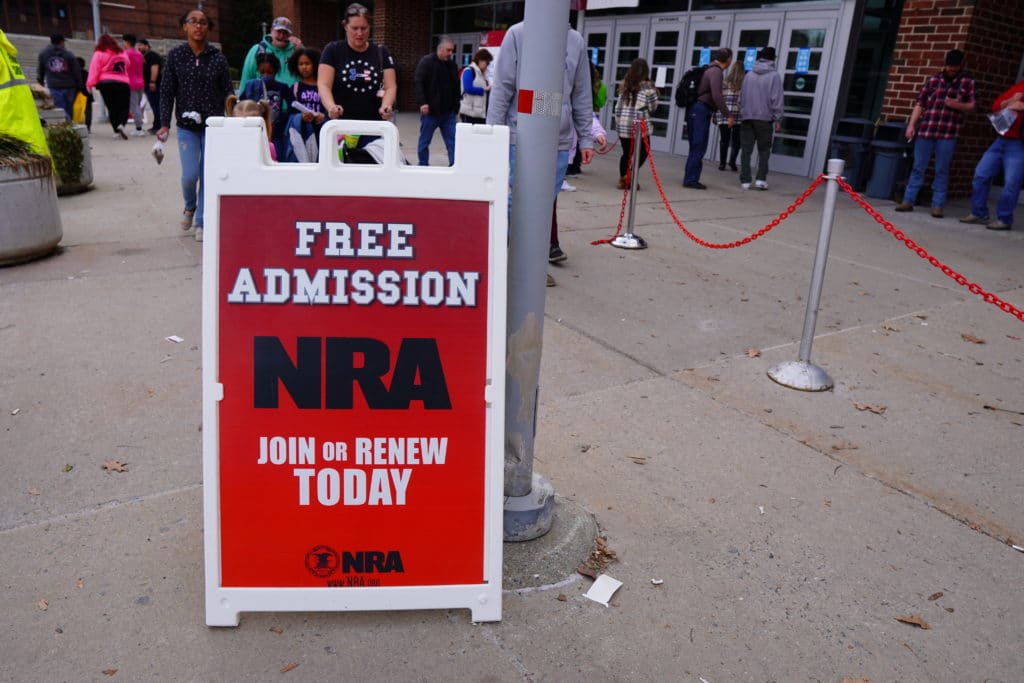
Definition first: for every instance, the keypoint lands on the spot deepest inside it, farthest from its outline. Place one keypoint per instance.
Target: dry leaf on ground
(890, 328)
(876, 409)
(109, 672)
(562, 597)
(753, 353)
(43, 604)
(915, 620)
(844, 447)
(67, 467)
(34, 491)
(856, 680)
(972, 339)
(289, 666)
(935, 596)
(276, 629)
(600, 557)
(115, 466)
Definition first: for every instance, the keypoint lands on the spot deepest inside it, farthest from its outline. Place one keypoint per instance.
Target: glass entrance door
(664, 57)
(704, 38)
(630, 43)
(805, 56)
(598, 37)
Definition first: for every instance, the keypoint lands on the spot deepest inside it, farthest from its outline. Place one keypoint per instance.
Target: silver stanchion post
(628, 240)
(802, 374)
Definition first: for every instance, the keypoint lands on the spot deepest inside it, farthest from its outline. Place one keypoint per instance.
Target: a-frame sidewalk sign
(353, 375)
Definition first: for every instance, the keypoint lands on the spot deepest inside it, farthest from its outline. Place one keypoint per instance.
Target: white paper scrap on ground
(175, 338)
(603, 589)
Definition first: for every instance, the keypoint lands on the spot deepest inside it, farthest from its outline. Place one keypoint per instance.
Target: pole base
(798, 374)
(629, 241)
(530, 516)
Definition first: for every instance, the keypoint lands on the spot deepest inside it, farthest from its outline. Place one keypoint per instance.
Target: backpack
(687, 90)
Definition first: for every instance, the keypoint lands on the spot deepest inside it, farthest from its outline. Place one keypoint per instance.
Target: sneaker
(120, 131)
(998, 225)
(761, 184)
(974, 220)
(566, 187)
(186, 219)
(139, 133)
(937, 212)
(904, 206)
(733, 167)
(556, 255)
(744, 186)
(199, 234)
(551, 281)
(696, 186)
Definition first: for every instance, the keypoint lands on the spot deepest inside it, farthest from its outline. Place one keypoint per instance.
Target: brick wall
(404, 27)
(988, 31)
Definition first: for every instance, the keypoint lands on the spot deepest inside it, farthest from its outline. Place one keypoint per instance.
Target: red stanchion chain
(679, 223)
(972, 287)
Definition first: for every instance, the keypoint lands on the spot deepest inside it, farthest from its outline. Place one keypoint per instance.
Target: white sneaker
(761, 184)
(139, 133)
(199, 234)
(121, 133)
(566, 187)
(745, 186)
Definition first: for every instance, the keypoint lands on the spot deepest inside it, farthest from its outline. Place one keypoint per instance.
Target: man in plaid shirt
(936, 119)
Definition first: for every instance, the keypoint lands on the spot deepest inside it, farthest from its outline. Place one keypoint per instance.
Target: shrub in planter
(71, 160)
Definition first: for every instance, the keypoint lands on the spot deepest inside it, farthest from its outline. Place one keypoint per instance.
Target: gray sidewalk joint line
(98, 508)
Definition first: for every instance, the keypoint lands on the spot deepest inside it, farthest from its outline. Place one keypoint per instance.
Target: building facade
(839, 58)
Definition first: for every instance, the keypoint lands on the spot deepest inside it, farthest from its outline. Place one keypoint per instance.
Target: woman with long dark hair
(729, 136)
(195, 85)
(638, 99)
(108, 73)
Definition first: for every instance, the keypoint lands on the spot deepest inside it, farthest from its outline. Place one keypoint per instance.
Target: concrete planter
(30, 224)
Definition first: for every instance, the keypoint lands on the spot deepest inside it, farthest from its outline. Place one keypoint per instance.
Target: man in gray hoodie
(577, 112)
(761, 115)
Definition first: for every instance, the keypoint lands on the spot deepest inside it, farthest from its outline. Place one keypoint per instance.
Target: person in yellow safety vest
(19, 117)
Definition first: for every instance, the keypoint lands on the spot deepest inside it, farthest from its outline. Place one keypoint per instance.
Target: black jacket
(437, 85)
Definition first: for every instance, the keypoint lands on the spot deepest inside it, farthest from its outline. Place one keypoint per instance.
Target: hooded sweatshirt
(761, 94)
(577, 99)
(284, 74)
(59, 69)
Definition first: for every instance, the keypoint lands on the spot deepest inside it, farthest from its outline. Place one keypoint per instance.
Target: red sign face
(352, 352)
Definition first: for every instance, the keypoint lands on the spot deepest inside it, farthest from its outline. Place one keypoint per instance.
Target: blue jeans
(561, 164)
(1006, 156)
(428, 124)
(65, 99)
(191, 146)
(698, 121)
(924, 148)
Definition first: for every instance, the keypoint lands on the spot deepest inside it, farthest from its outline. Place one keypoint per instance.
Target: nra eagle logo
(322, 561)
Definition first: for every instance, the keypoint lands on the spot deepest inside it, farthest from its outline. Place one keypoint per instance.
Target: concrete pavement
(790, 530)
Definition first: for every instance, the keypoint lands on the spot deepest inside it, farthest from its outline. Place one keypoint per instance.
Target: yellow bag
(78, 108)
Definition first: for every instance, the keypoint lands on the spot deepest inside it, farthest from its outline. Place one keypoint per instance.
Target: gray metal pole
(541, 66)
(828, 214)
(801, 373)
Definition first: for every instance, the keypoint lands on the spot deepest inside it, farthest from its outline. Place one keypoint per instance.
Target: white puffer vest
(474, 105)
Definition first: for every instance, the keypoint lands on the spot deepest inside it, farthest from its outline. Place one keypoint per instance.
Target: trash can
(892, 159)
(852, 144)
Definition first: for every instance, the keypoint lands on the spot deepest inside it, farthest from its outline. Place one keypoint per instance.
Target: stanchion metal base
(530, 516)
(797, 374)
(629, 241)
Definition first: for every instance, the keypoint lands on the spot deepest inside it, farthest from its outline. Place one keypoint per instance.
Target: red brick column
(403, 26)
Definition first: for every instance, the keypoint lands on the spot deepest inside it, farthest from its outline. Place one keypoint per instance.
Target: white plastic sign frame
(313, 201)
